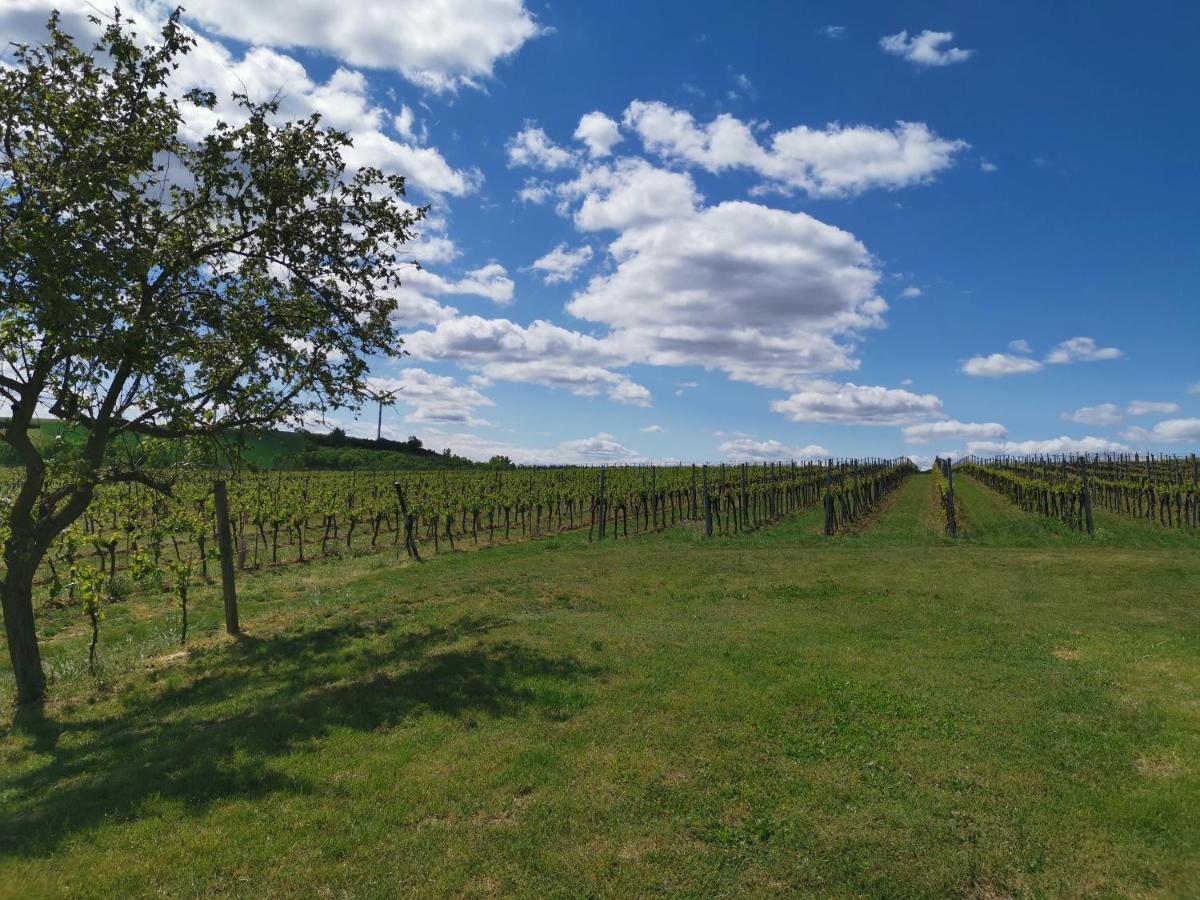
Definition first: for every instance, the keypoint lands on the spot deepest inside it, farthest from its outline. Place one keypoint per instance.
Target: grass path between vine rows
(777, 713)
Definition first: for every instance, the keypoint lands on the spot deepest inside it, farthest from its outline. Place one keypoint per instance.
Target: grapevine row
(279, 517)
(1162, 489)
(943, 483)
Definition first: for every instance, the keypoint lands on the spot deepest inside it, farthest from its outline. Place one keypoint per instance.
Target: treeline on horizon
(278, 450)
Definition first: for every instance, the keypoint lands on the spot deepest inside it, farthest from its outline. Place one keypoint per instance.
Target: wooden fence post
(603, 506)
(830, 524)
(225, 544)
(951, 513)
(653, 499)
(707, 506)
(1085, 498)
(745, 500)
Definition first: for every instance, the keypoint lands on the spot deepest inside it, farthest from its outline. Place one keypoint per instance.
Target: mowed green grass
(884, 713)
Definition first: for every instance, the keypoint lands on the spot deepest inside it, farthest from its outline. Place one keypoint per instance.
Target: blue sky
(783, 229)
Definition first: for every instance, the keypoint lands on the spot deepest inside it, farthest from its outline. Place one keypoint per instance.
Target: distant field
(262, 451)
(281, 450)
(884, 712)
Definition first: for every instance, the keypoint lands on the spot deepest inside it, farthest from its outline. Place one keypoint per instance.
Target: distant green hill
(289, 450)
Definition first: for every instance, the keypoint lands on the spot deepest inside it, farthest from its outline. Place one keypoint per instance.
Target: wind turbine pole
(383, 398)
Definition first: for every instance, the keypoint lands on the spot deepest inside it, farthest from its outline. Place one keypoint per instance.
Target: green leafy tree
(152, 286)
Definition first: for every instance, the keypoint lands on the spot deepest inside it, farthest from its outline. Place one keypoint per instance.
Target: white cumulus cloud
(952, 429)
(490, 281)
(760, 293)
(343, 101)
(925, 49)
(1076, 349)
(629, 193)
(1062, 444)
(533, 148)
(853, 404)
(749, 450)
(836, 160)
(433, 399)
(1104, 414)
(1149, 407)
(998, 365)
(599, 449)
(437, 44)
(1080, 349)
(541, 353)
(599, 133)
(1169, 431)
(561, 264)
(535, 192)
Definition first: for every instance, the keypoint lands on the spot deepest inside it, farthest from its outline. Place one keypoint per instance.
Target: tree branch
(138, 476)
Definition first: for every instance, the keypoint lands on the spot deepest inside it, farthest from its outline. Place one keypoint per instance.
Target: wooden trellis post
(707, 506)
(951, 513)
(1085, 498)
(225, 544)
(745, 500)
(603, 507)
(830, 524)
(653, 499)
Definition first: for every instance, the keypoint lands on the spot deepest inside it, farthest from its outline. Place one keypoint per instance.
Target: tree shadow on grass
(215, 737)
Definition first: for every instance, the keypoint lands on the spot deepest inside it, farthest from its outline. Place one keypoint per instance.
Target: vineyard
(135, 537)
(268, 270)
(166, 541)
(278, 518)
(631, 644)
(1163, 489)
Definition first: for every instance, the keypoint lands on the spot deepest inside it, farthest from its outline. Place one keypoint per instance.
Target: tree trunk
(16, 596)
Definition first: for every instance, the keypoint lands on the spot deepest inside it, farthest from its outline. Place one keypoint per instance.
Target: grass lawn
(886, 713)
